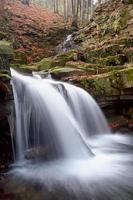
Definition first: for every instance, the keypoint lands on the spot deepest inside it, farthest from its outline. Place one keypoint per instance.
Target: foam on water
(80, 154)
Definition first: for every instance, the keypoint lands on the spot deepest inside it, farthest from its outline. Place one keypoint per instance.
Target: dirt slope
(32, 30)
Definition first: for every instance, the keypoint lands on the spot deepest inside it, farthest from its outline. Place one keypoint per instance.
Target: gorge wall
(6, 105)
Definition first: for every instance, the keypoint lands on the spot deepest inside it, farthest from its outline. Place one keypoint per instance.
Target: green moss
(5, 48)
(20, 57)
(4, 71)
(45, 64)
(129, 55)
(60, 72)
(59, 60)
(127, 1)
(67, 56)
(127, 42)
(122, 78)
(127, 76)
(4, 77)
(120, 21)
(110, 50)
(24, 68)
(80, 38)
(100, 85)
(113, 60)
(108, 84)
(2, 35)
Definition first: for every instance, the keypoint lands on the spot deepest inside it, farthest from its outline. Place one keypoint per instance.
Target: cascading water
(70, 149)
(66, 45)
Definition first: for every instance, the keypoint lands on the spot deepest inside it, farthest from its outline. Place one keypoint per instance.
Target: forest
(66, 99)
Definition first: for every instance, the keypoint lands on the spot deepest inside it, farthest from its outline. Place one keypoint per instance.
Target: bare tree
(26, 2)
(78, 10)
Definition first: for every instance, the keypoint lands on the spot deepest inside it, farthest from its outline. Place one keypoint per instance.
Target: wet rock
(38, 153)
(66, 45)
(6, 54)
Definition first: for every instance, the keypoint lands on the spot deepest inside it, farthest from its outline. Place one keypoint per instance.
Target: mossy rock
(108, 84)
(45, 64)
(127, 42)
(5, 48)
(113, 60)
(28, 69)
(3, 35)
(5, 76)
(80, 37)
(129, 55)
(127, 1)
(110, 50)
(67, 56)
(59, 60)
(87, 68)
(99, 85)
(20, 57)
(127, 76)
(59, 72)
(120, 21)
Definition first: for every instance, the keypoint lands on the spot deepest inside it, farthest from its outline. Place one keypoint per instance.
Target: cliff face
(6, 105)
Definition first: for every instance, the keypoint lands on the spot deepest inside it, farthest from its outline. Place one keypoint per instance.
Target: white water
(56, 115)
(80, 154)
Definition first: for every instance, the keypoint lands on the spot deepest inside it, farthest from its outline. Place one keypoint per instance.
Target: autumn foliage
(29, 27)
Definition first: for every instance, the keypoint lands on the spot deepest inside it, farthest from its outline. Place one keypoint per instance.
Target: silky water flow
(64, 145)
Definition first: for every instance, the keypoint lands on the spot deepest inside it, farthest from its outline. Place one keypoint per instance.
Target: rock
(127, 1)
(6, 54)
(38, 153)
(20, 57)
(107, 84)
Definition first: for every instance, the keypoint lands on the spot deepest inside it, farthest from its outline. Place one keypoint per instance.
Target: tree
(26, 2)
(2, 6)
(56, 6)
(78, 10)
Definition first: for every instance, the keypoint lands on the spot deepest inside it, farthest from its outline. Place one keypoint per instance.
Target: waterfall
(64, 145)
(66, 45)
(54, 115)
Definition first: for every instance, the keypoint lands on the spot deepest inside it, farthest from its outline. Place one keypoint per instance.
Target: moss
(129, 55)
(120, 21)
(45, 64)
(110, 50)
(127, 76)
(24, 68)
(4, 77)
(109, 84)
(127, 42)
(122, 78)
(67, 56)
(100, 85)
(59, 60)
(2, 35)
(127, 1)
(113, 60)
(4, 71)
(5, 48)
(20, 57)
(60, 72)
(80, 38)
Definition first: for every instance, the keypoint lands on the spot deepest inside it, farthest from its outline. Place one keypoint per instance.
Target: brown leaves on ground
(30, 28)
